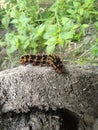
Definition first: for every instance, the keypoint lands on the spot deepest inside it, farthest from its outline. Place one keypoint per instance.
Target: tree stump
(37, 98)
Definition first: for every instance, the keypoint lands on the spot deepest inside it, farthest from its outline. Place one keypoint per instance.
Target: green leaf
(11, 49)
(5, 21)
(23, 19)
(75, 26)
(85, 25)
(65, 20)
(88, 3)
(67, 35)
(81, 11)
(60, 40)
(95, 50)
(14, 13)
(26, 44)
(15, 21)
(9, 37)
(40, 29)
(76, 4)
(2, 43)
(51, 31)
(53, 7)
(71, 11)
(50, 49)
(51, 43)
(96, 24)
(67, 24)
(33, 45)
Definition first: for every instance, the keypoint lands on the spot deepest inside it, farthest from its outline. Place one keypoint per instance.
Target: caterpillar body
(42, 59)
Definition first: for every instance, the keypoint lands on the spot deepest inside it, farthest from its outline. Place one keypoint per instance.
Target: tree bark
(37, 98)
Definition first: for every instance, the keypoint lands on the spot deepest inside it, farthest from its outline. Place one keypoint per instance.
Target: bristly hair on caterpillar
(42, 59)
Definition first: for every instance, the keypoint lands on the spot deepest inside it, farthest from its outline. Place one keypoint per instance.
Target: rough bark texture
(37, 98)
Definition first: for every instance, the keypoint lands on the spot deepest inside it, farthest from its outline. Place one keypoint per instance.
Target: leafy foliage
(38, 30)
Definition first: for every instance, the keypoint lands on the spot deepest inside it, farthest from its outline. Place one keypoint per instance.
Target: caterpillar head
(23, 59)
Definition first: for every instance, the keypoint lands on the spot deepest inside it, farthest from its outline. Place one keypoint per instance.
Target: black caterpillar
(42, 59)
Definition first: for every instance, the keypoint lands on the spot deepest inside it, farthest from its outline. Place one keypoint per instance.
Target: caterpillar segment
(51, 60)
(57, 64)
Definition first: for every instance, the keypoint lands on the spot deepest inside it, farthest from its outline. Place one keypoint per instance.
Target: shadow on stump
(37, 119)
